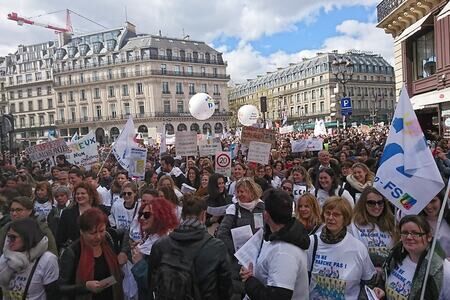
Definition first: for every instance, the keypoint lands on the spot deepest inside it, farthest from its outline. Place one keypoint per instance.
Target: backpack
(175, 278)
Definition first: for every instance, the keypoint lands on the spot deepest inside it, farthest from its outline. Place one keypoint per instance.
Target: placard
(223, 163)
(259, 152)
(307, 145)
(286, 129)
(186, 143)
(210, 147)
(46, 150)
(137, 159)
(259, 135)
(84, 151)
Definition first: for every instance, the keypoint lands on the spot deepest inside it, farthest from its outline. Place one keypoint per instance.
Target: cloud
(245, 62)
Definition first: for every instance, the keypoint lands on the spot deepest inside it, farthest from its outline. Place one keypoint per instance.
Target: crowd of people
(327, 233)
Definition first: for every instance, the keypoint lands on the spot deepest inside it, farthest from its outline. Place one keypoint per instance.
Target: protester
(62, 195)
(167, 181)
(168, 168)
(302, 182)
(273, 179)
(328, 185)
(193, 177)
(43, 200)
(360, 178)
(308, 213)
(238, 173)
(217, 197)
(203, 189)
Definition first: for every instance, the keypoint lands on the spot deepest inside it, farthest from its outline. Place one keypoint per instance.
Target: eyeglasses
(373, 203)
(414, 235)
(285, 188)
(127, 194)
(146, 215)
(328, 214)
(12, 237)
(17, 210)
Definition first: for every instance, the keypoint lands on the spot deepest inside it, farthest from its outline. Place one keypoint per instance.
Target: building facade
(308, 90)
(97, 80)
(421, 31)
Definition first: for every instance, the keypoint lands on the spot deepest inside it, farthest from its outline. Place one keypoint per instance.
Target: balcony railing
(386, 7)
(110, 77)
(125, 117)
(121, 61)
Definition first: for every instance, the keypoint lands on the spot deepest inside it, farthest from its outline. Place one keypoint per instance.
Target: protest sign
(186, 143)
(286, 129)
(259, 152)
(223, 163)
(84, 151)
(258, 134)
(46, 150)
(137, 160)
(209, 147)
(307, 145)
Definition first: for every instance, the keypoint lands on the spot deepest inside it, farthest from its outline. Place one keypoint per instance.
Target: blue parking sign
(346, 106)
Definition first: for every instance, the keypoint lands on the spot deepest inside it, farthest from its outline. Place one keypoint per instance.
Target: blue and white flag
(123, 144)
(407, 176)
(75, 137)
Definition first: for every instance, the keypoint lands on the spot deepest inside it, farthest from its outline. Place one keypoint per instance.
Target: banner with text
(259, 152)
(259, 135)
(46, 150)
(307, 145)
(84, 151)
(186, 143)
(287, 129)
(137, 159)
(209, 147)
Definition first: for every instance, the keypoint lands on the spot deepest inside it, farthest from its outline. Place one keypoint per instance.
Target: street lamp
(342, 69)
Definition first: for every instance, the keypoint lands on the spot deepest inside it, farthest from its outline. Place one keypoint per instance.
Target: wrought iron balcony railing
(386, 7)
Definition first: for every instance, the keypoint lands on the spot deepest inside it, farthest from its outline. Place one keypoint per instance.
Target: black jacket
(211, 264)
(293, 233)
(314, 171)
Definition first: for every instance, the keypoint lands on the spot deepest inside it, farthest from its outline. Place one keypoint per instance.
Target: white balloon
(201, 106)
(248, 115)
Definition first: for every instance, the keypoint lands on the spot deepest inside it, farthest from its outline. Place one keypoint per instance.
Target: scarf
(41, 200)
(328, 238)
(356, 184)
(86, 264)
(191, 223)
(12, 262)
(250, 206)
(146, 247)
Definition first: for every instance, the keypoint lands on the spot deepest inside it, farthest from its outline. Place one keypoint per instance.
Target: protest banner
(46, 150)
(259, 152)
(259, 135)
(186, 143)
(209, 147)
(223, 163)
(287, 129)
(137, 160)
(307, 145)
(84, 151)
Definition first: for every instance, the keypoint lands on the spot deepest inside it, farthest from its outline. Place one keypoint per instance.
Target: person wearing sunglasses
(374, 225)
(157, 218)
(88, 261)
(405, 268)
(27, 269)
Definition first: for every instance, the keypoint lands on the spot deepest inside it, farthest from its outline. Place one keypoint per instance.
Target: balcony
(385, 8)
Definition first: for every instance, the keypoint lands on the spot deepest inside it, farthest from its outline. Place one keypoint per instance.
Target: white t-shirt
(300, 189)
(105, 195)
(399, 282)
(116, 198)
(377, 242)
(275, 182)
(322, 195)
(121, 217)
(445, 291)
(47, 271)
(443, 237)
(338, 269)
(283, 265)
(42, 210)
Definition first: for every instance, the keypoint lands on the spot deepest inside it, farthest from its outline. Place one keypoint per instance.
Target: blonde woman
(302, 182)
(308, 213)
(166, 180)
(360, 178)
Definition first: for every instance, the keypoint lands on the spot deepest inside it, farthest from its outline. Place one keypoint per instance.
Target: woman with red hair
(89, 268)
(157, 219)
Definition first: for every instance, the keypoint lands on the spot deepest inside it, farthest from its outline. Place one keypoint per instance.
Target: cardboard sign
(259, 135)
(137, 159)
(84, 151)
(209, 147)
(46, 150)
(259, 152)
(307, 145)
(186, 143)
(223, 163)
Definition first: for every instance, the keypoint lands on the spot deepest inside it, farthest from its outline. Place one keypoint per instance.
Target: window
(60, 97)
(81, 77)
(111, 92)
(12, 108)
(84, 113)
(82, 95)
(19, 79)
(31, 119)
(306, 109)
(424, 57)
(29, 92)
(109, 74)
(51, 118)
(313, 94)
(95, 76)
(126, 108)
(11, 95)
(190, 70)
(97, 93)
(70, 79)
(137, 70)
(141, 108)
(176, 69)
(139, 89)
(165, 87)
(179, 88)
(180, 106)
(163, 69)
(71, 99)
(203, 71)
(322, 106)
(166, 106)
(215, 72)
(39, 91)
(22, 121)
(216, 90)
(203, 88)
(30, 106)
(191, 89)
(28, 78)
(73, 114)
(40, 106)
(313, 108)
(38, 76)
(19, 94)
(112, 108)
(98, 109)
(41, 120)
(125, 90)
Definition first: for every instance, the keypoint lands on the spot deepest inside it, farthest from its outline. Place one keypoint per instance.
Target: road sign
(223, 163)
(346, 106)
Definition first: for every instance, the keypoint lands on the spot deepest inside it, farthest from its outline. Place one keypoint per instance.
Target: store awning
(435, 97)
(445, 12)
(411, 29)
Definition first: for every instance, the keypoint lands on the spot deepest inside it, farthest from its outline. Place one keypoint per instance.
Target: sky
(255, 36)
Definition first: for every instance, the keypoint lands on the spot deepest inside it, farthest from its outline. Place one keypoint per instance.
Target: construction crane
(20, 21)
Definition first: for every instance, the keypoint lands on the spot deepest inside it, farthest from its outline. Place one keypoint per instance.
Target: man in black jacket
(211, 264)
(324, 161)
(168, 168)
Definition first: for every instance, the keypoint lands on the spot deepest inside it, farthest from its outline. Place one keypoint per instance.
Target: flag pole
(433, 244)
(103, 164)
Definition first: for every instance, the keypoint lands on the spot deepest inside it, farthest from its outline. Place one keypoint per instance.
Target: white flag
(407, 175)
(124, 142)
(162, 144)
(75, 137)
